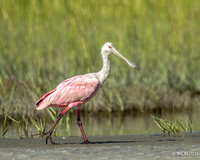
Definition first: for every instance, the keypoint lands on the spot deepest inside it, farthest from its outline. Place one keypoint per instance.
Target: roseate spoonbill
(77, 90)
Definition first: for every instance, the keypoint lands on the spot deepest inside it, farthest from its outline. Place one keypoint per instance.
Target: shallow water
(114, 124)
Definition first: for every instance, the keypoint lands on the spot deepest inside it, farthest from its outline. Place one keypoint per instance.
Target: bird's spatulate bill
(127, 61)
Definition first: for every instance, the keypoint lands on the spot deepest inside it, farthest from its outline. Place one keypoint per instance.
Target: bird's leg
(81, 128)
(49, 133)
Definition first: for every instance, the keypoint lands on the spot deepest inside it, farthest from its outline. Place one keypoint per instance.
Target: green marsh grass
(4, 127)
(67, 125)
(40, 125)
(54, 114)
(21, 124)
(43, 43)
(173, 127)
(25, 125)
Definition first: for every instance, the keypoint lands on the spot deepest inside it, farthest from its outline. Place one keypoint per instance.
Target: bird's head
(109, 48)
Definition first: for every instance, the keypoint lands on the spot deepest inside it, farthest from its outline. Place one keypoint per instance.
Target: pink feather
(71, 92)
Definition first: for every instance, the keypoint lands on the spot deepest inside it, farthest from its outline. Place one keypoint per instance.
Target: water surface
(113, 124)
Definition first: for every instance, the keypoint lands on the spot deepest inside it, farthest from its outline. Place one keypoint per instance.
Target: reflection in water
(113, 124)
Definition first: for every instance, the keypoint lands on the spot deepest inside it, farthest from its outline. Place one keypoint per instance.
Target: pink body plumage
(72, 92)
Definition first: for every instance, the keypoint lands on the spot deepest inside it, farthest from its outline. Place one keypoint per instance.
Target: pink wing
(75, 91)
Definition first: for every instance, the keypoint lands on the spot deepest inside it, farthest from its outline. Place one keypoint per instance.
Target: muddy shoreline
(156, 146)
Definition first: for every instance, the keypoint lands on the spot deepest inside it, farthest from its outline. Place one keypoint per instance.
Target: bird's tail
(41, 103)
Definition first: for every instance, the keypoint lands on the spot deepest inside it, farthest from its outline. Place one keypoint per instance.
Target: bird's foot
(88, 142)
(48, 137)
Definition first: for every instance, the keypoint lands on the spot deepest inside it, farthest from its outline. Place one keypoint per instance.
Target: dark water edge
(112, 123)
(153, 146)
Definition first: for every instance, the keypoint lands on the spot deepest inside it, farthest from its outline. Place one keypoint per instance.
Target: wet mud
(154, 146)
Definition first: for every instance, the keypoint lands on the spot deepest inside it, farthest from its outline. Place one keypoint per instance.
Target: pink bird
(77, 90)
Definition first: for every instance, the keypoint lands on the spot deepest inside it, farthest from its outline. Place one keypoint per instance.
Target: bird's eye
(109, 46)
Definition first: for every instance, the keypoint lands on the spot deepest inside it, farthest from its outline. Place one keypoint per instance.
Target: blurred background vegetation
(43, 42)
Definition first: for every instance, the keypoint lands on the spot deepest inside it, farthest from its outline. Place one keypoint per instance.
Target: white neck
(104, 72)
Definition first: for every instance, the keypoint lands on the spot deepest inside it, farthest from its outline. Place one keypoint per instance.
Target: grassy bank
(44, 42)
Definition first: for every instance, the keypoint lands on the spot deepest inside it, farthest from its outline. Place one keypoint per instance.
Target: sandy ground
(125, 147)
